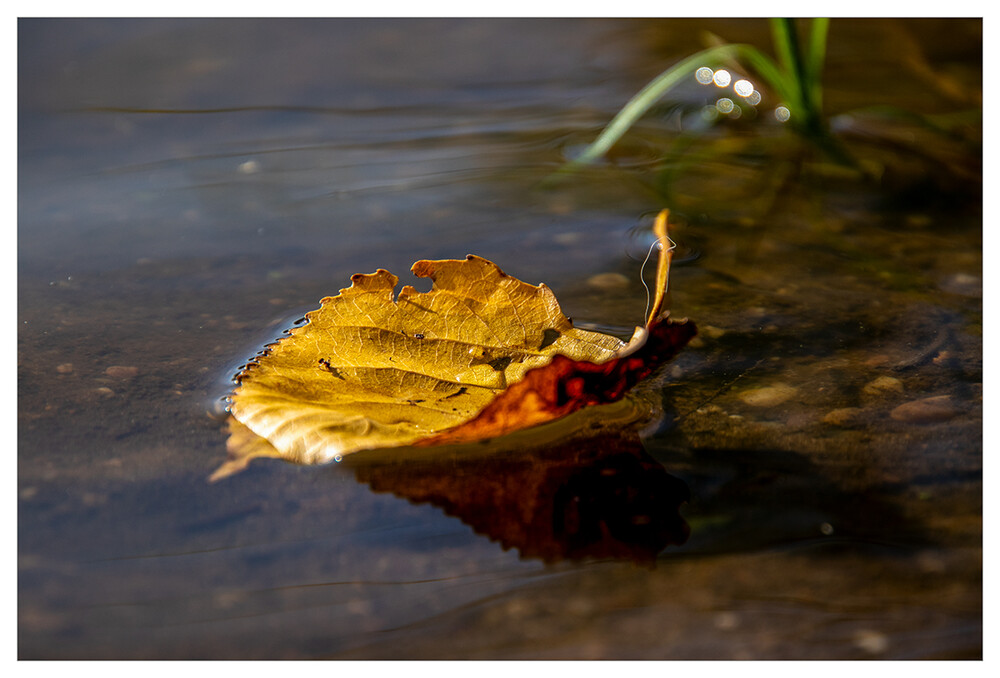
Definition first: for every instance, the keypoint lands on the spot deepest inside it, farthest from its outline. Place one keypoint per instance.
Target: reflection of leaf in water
(480, 355)
(597, 495)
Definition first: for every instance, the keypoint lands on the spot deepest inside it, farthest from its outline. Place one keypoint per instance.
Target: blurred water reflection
(593, 496)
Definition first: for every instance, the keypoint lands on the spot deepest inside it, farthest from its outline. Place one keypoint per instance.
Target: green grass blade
(781, 36)
(638, 105)
(799, 72)
(795, 68)
(815, 57)
(767, 69)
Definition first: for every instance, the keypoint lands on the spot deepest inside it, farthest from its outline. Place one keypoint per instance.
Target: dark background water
(187, 188)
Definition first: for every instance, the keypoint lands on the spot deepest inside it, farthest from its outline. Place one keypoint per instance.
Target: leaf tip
(230, 467)
(423, 268)
(666, 247)
(381, 280)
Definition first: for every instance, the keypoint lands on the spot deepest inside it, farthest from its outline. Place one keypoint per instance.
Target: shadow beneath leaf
(589, 496)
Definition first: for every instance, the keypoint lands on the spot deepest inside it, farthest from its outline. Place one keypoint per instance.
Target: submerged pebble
(963, 284)
(248, 167)
(843, 416)
(608, 281)
(711, 408)
(121, 371)
(64, 368)
(882, 386)
(567, 239)
(726, 620)
(871, 641)
(926, 410)
(768, 396)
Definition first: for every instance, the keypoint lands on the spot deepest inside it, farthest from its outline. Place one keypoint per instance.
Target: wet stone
(608, 281)
(726, 620)
(871, 641)
(248, 167)
(64, 368)
(943, 358)
(926, 410)
(843, 416)
(711, 408)
(876, 360)
(768, 396)
(882, 386)
(568, 239)
(963, 284)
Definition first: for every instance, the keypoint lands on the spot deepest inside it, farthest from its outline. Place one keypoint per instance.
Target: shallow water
(187, 189)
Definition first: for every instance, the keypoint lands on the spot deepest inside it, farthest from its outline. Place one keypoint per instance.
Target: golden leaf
(373, 370)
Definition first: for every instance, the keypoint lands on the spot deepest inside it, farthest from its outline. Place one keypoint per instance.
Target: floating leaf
(479, 355)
